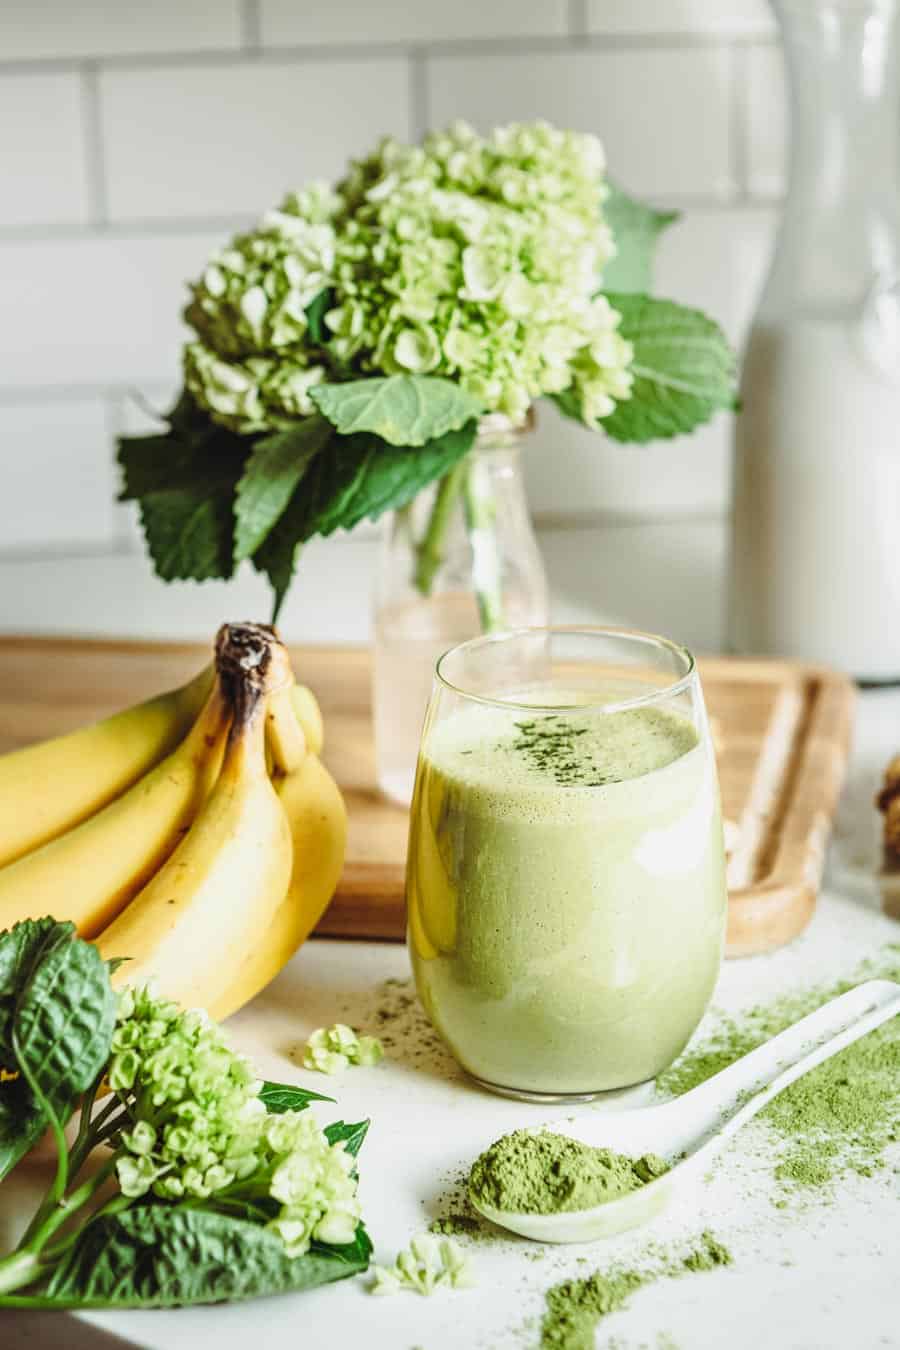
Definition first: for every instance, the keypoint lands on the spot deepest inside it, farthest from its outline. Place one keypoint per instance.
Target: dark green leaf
(404, 410)
(353, 1136)
(64, 1021)
(189, 534)
(21, 948)
(357, 476)
(636, 228)
(275, 466)
(196, 454)
(277, 558)
(315, 316)
(185, 481)
(22, 1122)
(157, 1256)
(280, 1097)
(363, 476)
(683, 366)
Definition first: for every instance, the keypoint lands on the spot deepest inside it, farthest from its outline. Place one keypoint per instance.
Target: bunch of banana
(206, 850)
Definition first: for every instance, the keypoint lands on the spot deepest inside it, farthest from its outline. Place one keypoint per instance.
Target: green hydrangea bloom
(199, 1130)
(474, 258)
(333, 1049)
(479, 259)
(429, 1263)
(254, 363)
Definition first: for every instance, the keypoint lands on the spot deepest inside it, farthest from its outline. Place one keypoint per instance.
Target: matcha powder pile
(543, 1173)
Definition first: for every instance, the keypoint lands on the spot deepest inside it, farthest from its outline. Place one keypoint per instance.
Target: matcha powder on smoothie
(543, 1173)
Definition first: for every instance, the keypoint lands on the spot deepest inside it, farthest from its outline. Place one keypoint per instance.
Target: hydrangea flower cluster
(332, 1049)
(479, 259)
(254, 363)
(199, 1129)
(427, 1264)
(474, 258)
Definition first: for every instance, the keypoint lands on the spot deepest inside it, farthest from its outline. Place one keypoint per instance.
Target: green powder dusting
(574, 1307)
(838, 1119)
(542, 1173)
(459, 1226)
(708, 1254)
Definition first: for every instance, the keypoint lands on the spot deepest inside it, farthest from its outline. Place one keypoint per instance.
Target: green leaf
(273, 469)
(636, 228)
(157, 1256)
(188, 534)
(185, 481)
(683, 366)
(21, 948)
(22, 1122)
(405, 410)
(358, 476)
(353, 1136)
(277, 559)
(57, 1012)
(279, 1097)
(315, 316)
(64, 1021)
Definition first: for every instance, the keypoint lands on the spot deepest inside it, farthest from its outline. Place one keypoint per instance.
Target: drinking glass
(566, 874)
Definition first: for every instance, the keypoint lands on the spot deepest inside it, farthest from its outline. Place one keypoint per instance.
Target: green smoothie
(566, 892)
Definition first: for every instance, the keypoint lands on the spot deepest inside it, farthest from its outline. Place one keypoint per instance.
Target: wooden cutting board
(782, 733)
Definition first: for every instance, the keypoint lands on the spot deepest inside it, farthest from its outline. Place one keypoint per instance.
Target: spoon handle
(728, 1100)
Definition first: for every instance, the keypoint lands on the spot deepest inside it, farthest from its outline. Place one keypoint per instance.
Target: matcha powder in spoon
(529, 1172)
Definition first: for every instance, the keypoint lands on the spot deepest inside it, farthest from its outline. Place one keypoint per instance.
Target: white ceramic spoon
(690, 1130)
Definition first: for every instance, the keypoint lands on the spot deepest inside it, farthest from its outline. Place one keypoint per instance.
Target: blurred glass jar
(460, 560)
(817, 465)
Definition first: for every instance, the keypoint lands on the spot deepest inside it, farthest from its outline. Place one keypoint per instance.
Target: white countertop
(820, 1274)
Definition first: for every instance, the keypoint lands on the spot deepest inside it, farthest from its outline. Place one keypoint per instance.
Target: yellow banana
(309, 715)
(89, 874)
(48, 788)
(317, 819)
(187, 930)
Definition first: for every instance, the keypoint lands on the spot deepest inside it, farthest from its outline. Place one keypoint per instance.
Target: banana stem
(431, 550)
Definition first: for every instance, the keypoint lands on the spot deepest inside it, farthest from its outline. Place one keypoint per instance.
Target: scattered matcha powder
(574, 1307)
(538, 1172)
(840, 1118)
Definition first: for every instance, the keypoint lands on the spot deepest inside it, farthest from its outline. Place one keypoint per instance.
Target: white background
(135, 137)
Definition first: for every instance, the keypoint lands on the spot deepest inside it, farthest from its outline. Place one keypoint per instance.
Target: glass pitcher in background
(815, 562)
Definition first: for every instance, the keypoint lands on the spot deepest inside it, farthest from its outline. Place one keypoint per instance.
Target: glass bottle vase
(460, 560)
(817, 463)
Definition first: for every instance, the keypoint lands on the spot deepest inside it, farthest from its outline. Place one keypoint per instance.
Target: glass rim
(678, 686)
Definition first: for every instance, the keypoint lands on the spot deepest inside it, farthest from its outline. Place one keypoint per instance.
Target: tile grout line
(94, 149)
(250, 27)
(577, 17)
(739, 140)
(510, 45)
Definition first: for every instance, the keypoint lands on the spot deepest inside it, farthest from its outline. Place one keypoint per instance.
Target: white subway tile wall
(135, 138)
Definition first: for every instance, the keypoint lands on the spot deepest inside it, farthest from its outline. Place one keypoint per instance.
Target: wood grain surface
(782, 735)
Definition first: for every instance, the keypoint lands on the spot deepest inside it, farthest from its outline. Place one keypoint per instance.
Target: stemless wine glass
(566, 873)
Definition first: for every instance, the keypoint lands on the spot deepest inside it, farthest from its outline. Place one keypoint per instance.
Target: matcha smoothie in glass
(566, 873)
